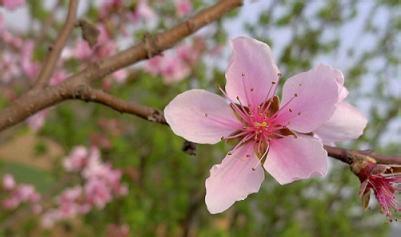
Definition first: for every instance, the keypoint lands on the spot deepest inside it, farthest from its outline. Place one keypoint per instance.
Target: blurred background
(81, 169)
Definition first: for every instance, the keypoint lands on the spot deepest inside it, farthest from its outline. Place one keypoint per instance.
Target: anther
(205, 114)
(296, 95)
(290, 110)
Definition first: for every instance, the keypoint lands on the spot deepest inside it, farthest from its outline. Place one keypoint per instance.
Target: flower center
(259, 125)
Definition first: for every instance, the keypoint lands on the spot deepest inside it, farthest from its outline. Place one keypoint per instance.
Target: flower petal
(201, 116)
(346, 123)
(309, 99)
(292, 159)
(238, 175)
(252, 74)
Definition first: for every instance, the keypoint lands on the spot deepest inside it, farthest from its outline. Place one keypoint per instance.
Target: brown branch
(89, 94)
(350, 156)
(55, 50)
(39, 98)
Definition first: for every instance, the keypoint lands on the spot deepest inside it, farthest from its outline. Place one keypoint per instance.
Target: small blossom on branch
(384, 181)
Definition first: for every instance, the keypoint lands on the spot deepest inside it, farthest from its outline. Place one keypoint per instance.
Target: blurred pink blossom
(58, 77)
(8, 182)
(109, 5)
(36, 121)
(12, 4)
(173, 66)
(9, 67)
(101, 183)
(142, 11)
(29, 67)
(183, 7)
(18, 194)
(77, 159)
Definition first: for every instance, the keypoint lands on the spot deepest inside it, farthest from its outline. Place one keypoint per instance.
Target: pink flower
(18, 194)
(9, 67)
(142, 11)
(271, 134)
(97, 193)
(174, 66)
(69, 202)
(384, 181)
(77, 159)
(108, 6)
(8, 182)
(104, 47)
(346, 123)
(58, 77)
(183, 7)
(29, 67)
(12, 4)
(120, 76)
(36, 121)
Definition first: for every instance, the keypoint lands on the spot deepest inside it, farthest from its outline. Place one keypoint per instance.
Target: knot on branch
(82, 92)
(90, 32)
(151, 47)
(189, 148)
(157, 116)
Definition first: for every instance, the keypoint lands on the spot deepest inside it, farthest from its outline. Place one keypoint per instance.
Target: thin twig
(55, 50)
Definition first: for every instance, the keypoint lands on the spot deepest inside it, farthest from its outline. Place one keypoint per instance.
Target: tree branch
(55, 50)
(350, 156)
(39, 98)
(89, 94)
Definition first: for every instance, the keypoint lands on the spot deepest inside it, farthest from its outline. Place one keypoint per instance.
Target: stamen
(217, 120)
(237, 135)
(285, 105)
(248, 100)
(262, 159)
(270, 89)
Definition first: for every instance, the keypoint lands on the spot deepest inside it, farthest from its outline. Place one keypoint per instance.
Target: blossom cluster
(100, 184)
(18, 57)
(19, 194)
(177, 64)
(12, 4)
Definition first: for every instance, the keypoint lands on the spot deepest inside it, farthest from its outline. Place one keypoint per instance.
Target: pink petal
(346, 123)
(201, 116)
(292, 159)
(309, 99)
(238, 175)
(252, 74)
